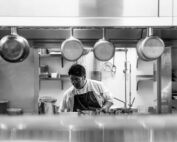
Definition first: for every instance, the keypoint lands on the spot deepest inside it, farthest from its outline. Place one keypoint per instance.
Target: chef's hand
(106, 107)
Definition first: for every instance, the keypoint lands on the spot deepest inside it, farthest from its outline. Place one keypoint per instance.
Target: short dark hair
(77, 70)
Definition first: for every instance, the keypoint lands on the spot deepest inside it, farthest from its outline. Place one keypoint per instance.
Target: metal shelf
(53, 54)
(141, 78)
(61, 78)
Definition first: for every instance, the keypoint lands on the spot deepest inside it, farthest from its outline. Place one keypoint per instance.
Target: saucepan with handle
(103, 49)
(151, 47)
(72, 48)
(14, 48)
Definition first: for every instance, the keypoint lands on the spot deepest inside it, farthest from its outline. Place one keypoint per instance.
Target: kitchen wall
(18, 85)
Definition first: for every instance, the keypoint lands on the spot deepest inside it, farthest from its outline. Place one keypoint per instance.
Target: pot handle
(71, 31)
(13, 30)
(103, 33)
(149, 31)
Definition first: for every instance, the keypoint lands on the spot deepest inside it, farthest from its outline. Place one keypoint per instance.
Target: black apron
(86, 101)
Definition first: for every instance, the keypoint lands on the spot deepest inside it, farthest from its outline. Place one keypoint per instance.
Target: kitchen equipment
(103, 49)
(72, 48)
(114, 68)
(151, 47)
(14, 111)
(4, 104)
(46, 105)
(14, 48)
(96, 75)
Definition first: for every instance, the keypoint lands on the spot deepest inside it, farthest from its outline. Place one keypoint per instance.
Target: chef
(85, 94)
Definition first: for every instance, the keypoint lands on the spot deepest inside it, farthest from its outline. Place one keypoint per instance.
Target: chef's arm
(106, 106)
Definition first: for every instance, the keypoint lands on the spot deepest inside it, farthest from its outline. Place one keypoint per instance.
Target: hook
(103, 32)
(149, 31)
(71, 31)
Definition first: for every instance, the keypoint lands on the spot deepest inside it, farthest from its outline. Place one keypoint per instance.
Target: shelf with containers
(49, 53)
(44, 73)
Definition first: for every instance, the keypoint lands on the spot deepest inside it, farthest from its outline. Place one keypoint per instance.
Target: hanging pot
(103, 50)
(140, 55)
(14, 48)
(150, 48)
(72, 48)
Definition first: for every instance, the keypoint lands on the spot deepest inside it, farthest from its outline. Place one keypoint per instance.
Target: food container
(14, 111)
(46, 105)
(3, 106)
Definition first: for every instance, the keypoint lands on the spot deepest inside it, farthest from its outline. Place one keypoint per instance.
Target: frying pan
(151, 47)
(103, 50)
(14, 48)
(72, 48)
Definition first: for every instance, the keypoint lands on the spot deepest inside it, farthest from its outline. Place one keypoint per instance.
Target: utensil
(114, 68)
(72, 48)
(14, 48)
(103, 50)
(151, 47)
(4, 104)
(46, 105)
(14, 111)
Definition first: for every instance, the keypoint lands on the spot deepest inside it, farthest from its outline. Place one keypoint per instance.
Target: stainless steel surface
(151, 47)
(79, 8)
(92, 34)
(87, 22)
(103, 50)
(159, 86)
(14, 111)
(162, 83)
(46, 105)
(14, 48)
(87, 13)
(72, 48)
(166, 79)
(89, 129)
(18, 83)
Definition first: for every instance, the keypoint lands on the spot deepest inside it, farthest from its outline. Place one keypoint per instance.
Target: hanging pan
(72, 48)
(151, 47)
(14, 48)
(103, 49)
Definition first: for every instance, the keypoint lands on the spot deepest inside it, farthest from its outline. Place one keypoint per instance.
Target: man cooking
(85, 94)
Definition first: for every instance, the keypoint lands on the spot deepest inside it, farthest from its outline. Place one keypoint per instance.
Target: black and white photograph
(88, 71)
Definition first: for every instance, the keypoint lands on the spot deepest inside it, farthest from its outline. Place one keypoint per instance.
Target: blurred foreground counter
(73, 128)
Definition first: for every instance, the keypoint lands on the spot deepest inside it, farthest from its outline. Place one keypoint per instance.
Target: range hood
(119, 36)
(121, 13)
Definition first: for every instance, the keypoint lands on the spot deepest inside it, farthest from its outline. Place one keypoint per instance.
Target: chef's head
(77, 75)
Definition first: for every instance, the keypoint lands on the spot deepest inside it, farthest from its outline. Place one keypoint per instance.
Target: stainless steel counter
(72, 128)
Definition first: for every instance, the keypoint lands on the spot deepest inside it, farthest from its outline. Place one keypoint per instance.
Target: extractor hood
(118, 35)
(88, 13)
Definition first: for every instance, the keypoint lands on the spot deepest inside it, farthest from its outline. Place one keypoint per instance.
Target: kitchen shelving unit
(52, 53)
(48, 77)
(143, 77)
(62, 78)
(140, 78)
